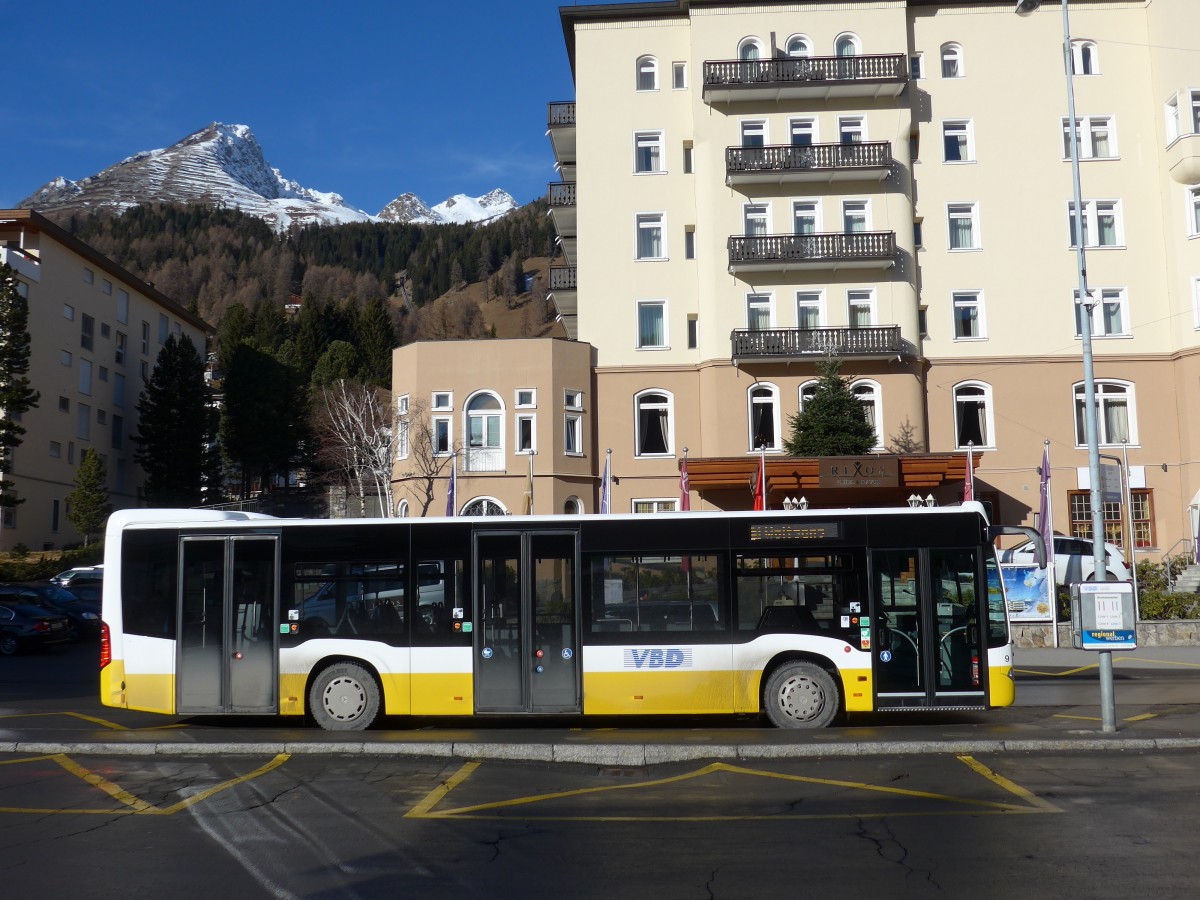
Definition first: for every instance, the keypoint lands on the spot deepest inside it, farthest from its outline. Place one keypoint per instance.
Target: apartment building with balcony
(747, 188)
(95, 331)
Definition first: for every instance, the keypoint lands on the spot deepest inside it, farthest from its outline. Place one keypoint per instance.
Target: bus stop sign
(1103, 615)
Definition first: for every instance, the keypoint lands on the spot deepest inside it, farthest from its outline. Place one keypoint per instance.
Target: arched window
(402, 509)
(484, 506)
(750, 49)
(573, 506)
(871, 398)
(798, 45)
(484, 413)
(846, 45)
(647, 73)
(1116, 414)
(807, 390)
(952, 61)
(973, 420)
(763, 401)
(1084, 58)
(653, 428)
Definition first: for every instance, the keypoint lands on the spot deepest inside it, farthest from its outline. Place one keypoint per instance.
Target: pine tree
(338, 363)
(16, 397)
(311, 337)
(832, 422)
(88, 505)
(175, 440)
(376, 341)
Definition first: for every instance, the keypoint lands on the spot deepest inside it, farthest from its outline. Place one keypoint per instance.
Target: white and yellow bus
(802, 616)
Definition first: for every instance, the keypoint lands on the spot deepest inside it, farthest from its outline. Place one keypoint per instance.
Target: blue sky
(371, 99)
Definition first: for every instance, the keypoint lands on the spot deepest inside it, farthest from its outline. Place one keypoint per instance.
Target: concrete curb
(599, 754)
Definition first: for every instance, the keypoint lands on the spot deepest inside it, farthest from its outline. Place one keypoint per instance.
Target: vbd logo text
(658, 658)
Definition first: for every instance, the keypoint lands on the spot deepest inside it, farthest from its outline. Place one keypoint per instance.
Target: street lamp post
(1090, 424)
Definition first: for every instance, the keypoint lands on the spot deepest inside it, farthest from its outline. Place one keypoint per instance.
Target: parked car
(85, 582)
(28, 627)
(83, 615)
(1074, 559)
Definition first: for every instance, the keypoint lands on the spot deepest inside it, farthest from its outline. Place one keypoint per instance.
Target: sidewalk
(1178, 658)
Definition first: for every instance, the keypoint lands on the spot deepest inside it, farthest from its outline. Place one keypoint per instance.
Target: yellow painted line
(422, 809)
(1081, 718)
(426, 808)
(25, 759)
(1010, 786)
(1116, 659)
(95, 720)
(134, 805)
(1142, 718)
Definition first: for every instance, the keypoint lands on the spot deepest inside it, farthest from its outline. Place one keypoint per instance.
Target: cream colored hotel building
(744, 187)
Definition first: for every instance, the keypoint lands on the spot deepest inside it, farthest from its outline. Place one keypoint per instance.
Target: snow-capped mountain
(224, 165)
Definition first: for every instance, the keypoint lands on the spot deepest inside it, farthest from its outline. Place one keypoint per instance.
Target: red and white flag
(685, 486)
(760, 483)
(969, 478)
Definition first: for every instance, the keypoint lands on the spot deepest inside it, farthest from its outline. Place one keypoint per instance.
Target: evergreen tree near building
(376, 341)
(176, 435)
(338, 363)
(832, 422)
(16, 396)
(88, 506)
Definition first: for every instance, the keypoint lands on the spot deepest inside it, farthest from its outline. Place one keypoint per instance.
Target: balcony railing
(561, 113)
(816, 76)
(563, 278)
(808, 162)
(483, 459)
(562, 193)
(790, 343)
(860, 249)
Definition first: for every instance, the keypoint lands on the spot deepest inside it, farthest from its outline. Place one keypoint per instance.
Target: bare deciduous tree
(355, 426)
(420, 463)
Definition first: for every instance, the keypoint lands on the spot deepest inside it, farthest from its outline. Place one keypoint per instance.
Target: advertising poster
(1030, 593)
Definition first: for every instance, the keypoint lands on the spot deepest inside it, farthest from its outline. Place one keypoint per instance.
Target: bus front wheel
(801, 695)
(344, 697)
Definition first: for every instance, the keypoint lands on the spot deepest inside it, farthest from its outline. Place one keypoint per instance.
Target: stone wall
(1177, 633)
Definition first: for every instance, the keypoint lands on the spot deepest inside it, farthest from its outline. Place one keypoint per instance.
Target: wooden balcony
(563, 210)
(564, 291)
(807, 78)
(790, 344)
(830, 251)
(560, 126)
(790, 164)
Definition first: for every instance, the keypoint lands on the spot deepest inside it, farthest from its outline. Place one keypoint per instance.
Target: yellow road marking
(93, 719)
(135, 806)
(425, 809)
(1096, 665)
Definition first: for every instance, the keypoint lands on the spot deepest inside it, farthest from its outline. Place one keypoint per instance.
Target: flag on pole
(529, 490)
(760, 483)
(969, 478)
(452, 490)
(606, 484)
(685, 486)
(1046, 511)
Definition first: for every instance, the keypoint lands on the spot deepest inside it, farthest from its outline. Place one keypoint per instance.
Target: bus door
(927, 643)
(227, 640)
(526, 638)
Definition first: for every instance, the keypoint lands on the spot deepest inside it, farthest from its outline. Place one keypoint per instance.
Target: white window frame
(573, 506)
(679, 81)
(639, 338)
(85, 377)
(850, 39)
(969, 299)
(957, 127)
(667, 405)
(573, 432)
(812, 299)
(752, 127)
(1172, 122)
(448, 422)
(650, 221)
(955, 210)
(402, 509)
(646, 66)
(951, 57)
(753, 402)
(803, 125)
(469, 416)
(1193, 212)
(530, 403)
(861, 297)
(440, 401)
(122, 306)
(1103, 297)
(870, 393)
(402, 427)
(814, 205)
(656, 504)
(518, 419)
(68, 312)
(1087, 127)
(89, 277)
(981, 393)
(1078, 48)
(758, 212)
(760, 300)
(655, 142)
(856, 202)
(1107, 389)
(1091, 225)
(748, 42)
(572, 399)
(798, 38)
(852, 125)
(916, 66)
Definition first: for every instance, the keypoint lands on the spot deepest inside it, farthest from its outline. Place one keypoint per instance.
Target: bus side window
(441, 597)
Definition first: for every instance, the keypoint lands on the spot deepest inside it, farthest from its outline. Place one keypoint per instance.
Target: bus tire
(801, 695)
(344, 697)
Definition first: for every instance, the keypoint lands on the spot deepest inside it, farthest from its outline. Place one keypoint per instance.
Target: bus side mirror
(1039, 545)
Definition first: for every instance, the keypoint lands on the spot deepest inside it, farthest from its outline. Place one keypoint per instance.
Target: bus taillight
(105, 645)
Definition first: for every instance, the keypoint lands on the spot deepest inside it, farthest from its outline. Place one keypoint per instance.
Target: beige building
(746, 187)
(95, 331)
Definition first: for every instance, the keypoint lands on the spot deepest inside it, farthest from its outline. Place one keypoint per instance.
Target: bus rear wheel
(801, 695)
(344, 697)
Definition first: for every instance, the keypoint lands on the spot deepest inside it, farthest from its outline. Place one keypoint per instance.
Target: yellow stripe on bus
(1002, 689)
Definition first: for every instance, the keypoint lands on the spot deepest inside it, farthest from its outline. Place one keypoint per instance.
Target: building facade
(95, 332)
